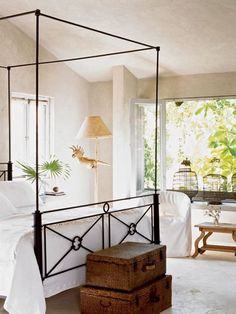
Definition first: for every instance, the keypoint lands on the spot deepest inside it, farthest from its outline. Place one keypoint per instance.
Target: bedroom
(87, 98)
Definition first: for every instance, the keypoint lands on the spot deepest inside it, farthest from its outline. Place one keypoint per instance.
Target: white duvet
(19, 274)
(20, 279)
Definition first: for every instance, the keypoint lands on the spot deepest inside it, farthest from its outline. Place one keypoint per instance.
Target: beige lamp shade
(93, 127)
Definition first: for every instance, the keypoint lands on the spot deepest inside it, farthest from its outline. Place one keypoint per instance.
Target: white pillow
(19, 193)
(6, 207)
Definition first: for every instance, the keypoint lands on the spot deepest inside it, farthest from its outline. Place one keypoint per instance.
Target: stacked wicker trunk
(128, 278)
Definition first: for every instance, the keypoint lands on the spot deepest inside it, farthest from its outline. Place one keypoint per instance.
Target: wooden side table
(207, 229)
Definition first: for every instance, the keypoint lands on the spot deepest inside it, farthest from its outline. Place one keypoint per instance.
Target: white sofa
(175, 223)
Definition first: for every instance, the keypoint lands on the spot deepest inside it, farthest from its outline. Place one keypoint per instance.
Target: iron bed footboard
(105, 217)
(6, 171)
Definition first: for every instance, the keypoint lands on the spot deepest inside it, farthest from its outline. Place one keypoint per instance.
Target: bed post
(37, 213)
(156, 117)
(38, 239)
(9, 164)
(156, 219)
(9, 171)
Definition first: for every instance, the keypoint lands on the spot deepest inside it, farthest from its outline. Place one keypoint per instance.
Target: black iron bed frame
(41, 229)
(6, 171)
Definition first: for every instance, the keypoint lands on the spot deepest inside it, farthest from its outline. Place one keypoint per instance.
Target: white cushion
(19, 193)
(175, 203)
(6, 207)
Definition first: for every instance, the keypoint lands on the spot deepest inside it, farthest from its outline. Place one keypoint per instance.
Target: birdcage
(185, 180)
(215, 182)
(214, 188)
(233, 182)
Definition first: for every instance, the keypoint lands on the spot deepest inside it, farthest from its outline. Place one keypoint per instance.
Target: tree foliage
(222, 139)
(149, 165)
(201, 131)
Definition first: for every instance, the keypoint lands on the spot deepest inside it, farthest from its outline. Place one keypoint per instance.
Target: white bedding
(20, 280)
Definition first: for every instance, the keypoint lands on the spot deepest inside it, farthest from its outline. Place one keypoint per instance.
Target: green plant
(51, 169)
(149, 165)
(29, 172)
(222, 139)
(55, 168)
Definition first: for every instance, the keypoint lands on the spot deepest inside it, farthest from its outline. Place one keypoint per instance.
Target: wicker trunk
(154, 297)
(126, 266)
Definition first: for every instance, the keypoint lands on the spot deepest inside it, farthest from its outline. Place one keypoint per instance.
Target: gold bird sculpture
(78, 152)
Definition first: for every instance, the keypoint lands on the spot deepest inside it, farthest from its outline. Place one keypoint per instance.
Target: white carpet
(204, 285)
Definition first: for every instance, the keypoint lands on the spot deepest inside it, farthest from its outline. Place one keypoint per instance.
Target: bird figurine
(78, 152)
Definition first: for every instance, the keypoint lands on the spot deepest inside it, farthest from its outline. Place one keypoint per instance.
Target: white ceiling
(195, 36)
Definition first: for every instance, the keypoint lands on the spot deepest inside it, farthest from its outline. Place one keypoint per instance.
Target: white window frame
(49, 150)
(137, 165)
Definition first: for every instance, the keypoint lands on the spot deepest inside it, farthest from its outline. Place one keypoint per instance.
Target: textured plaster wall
(69, 91)
(3, 117)
(200, 85)
(124, 89)
(13, 51)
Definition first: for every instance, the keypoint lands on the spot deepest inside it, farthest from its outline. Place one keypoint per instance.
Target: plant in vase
(52, 169)
(214, 211)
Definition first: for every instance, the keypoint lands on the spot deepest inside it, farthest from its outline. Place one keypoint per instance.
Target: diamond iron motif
(76, 243)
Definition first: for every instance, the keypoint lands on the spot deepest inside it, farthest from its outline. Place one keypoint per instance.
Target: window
(203, 131)
(23, 130)
(143, 138)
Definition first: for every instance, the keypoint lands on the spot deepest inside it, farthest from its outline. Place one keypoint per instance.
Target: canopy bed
(62, 237)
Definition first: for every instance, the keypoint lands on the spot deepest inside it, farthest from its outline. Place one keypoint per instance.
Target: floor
(205, 285)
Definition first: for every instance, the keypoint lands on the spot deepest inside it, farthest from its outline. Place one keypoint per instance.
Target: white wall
(70, 93)
(124, 89)
(199, 85)
(3, 117)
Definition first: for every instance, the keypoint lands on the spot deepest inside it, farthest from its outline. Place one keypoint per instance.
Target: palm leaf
(29, 172)
(55, 168)
(52, 169)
